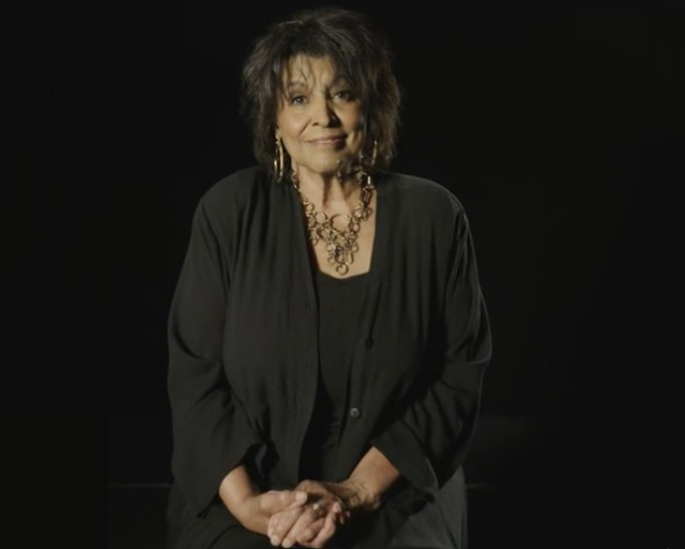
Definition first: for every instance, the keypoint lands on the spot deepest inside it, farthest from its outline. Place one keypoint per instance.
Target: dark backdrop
(559, 126)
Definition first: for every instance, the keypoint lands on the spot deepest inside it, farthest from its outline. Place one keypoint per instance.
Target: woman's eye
(297, 100)
(344, 94)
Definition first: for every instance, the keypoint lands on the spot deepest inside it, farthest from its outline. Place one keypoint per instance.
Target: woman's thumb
(298, 499)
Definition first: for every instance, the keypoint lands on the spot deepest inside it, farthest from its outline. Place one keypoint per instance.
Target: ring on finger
(317, 508)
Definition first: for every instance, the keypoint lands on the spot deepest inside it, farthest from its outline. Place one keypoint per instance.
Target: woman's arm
(211, 431)
(237, 488)
(428, 439)
(252, 508)
(371, 478)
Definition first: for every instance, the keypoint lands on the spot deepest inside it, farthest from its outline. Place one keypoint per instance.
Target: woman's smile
(320, 119)
(328, 142)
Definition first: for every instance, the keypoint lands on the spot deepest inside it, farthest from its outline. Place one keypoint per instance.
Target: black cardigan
(243, 361)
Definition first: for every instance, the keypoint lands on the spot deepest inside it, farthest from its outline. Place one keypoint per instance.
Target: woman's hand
(354, 495)
(330, 505)
(252, 508)
(311, 525)
(255, 511)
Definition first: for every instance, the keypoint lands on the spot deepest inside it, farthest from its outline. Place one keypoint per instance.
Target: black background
(560, 127)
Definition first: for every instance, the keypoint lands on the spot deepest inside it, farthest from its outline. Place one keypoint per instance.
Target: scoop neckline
(324, 275)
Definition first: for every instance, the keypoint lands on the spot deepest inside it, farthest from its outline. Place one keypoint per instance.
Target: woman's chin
(331, 166)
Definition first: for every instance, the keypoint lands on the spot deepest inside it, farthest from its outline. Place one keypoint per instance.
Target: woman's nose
(324, 115)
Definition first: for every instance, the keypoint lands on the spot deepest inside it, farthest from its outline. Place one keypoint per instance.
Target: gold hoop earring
(279, 160)
(374, 154)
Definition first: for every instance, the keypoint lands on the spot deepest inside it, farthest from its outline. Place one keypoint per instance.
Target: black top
(339, 301)
(243, 334)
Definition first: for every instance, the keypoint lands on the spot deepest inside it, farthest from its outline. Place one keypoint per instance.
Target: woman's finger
(277, 503)
(271, 525)
(273, 503)
(326, 532)
(286, 521)
(310, 532)
(305, 527)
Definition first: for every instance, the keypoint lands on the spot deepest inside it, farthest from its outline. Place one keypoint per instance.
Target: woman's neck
(330, 192)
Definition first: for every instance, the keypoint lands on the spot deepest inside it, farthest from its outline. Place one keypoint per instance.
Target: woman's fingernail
(275, 540)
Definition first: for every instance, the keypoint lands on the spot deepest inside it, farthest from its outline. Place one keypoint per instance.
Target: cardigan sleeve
(211, 431)
(428, 441)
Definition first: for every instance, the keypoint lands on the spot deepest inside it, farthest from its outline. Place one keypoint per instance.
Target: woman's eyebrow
(339, 81)
(296, 83)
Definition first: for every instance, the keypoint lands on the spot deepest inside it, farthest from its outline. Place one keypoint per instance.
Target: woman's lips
(328, 141)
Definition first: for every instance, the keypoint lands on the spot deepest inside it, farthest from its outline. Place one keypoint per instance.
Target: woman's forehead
(303, 70)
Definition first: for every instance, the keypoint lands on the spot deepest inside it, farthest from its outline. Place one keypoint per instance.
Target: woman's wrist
(236, 491)
(373, 476)
(355, 496)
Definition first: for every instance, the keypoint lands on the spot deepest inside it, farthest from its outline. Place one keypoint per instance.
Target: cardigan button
(355, 412)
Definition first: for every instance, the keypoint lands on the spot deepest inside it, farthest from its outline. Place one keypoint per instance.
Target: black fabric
(440, 525)
(339, 304)
(243, 350)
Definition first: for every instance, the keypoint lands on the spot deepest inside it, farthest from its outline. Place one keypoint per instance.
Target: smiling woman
(320, 123)
(319, 119)
(327, 334)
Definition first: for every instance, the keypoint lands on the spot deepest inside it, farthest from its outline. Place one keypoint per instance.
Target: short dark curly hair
(359, 52)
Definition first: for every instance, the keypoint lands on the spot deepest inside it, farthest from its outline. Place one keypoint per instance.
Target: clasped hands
(313, 512)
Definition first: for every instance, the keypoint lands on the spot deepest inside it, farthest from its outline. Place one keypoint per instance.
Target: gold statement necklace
(341, 245)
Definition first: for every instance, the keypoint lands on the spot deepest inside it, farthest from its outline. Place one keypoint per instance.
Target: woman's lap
(442, 525)
(240, 538)
(438, 526)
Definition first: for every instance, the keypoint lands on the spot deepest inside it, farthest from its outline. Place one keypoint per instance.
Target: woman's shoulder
(236, 184)
(234, 191)
(420, 192)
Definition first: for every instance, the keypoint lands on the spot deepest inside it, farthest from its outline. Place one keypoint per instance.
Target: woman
(327, 335)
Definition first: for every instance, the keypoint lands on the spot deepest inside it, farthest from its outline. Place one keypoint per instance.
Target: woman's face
(319, 119)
